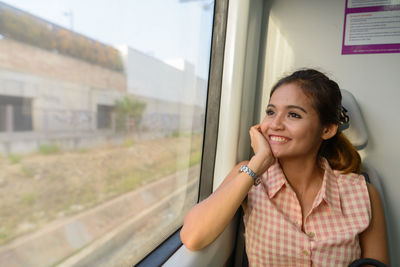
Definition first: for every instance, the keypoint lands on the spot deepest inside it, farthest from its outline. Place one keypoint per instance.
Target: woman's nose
(277, 123)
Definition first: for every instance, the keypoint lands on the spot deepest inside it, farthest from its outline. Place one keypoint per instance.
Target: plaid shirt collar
(274, 179)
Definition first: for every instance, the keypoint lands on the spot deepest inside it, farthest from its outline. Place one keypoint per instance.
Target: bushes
(31, 30)
(48, 149)
(129, 113)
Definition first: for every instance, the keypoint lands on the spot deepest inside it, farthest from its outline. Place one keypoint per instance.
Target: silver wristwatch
(246, 169)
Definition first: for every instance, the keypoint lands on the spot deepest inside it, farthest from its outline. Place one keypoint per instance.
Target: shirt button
(311, 234)
(305, 252)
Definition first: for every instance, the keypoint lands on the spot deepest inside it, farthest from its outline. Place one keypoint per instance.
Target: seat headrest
(357, 130)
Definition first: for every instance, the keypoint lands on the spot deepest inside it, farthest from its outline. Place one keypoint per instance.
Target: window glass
(102, 107)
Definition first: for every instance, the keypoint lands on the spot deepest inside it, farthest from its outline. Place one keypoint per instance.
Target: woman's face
(291, 125)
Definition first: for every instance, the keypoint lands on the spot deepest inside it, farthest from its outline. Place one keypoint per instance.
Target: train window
(102, 109)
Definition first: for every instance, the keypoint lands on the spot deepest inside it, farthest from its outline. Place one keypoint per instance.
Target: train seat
(357, 133)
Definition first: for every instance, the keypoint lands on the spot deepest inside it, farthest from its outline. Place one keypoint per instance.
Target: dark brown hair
(327, 101)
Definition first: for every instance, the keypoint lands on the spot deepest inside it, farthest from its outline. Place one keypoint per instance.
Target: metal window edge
(213, 99)
(163, 252)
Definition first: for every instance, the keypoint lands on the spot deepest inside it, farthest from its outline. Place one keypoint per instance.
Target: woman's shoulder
(353, 185)
(344, 178)
(349, 177)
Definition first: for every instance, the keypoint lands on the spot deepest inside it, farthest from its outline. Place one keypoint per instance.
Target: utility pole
(70, 15)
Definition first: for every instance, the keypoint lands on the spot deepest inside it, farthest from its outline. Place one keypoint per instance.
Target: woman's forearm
(207, 220)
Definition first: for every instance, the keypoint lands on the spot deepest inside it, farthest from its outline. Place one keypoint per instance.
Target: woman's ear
(329, 131)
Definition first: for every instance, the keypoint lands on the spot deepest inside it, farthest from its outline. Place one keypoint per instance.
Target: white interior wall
(309, 33)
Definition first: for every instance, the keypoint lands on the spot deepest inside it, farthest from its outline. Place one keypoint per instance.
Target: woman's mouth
(277, 139)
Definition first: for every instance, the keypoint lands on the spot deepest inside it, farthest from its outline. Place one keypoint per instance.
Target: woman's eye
(269, 112)
(294, 115)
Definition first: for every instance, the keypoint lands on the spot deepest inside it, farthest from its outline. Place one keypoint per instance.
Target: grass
(48, 149)
(62, 184)
(82, 150)
(195, 158)
(28, 198)
(14, 158)
(129, 143)
(132, 181)
(27, 172)
(175, 133)
(4, 235)
(127, 180)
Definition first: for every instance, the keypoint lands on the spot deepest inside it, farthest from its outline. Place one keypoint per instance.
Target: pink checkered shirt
(340, 212)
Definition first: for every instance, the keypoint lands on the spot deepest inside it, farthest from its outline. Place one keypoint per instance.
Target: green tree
(129, 112)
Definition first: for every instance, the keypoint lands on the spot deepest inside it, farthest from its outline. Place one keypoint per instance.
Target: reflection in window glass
(101, 126)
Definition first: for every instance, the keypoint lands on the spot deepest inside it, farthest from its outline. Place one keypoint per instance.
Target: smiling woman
(312, 206)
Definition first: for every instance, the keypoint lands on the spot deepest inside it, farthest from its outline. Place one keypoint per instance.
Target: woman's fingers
(258, 141)
(263, 157)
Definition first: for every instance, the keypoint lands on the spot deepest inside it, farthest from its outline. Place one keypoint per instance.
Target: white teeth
(278, 139)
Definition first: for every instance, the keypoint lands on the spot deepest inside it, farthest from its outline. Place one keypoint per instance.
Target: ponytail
(341, 154)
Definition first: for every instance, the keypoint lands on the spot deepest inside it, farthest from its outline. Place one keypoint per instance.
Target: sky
(165, 29)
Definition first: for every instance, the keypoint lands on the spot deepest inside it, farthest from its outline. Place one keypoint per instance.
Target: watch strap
(246, 169)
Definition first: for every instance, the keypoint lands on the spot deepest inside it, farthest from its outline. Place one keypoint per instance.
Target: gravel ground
(38, 189)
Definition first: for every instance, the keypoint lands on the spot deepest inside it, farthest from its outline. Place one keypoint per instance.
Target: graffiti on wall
(67, 120)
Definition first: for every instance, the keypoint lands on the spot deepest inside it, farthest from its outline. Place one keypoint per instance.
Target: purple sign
(371, 27)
